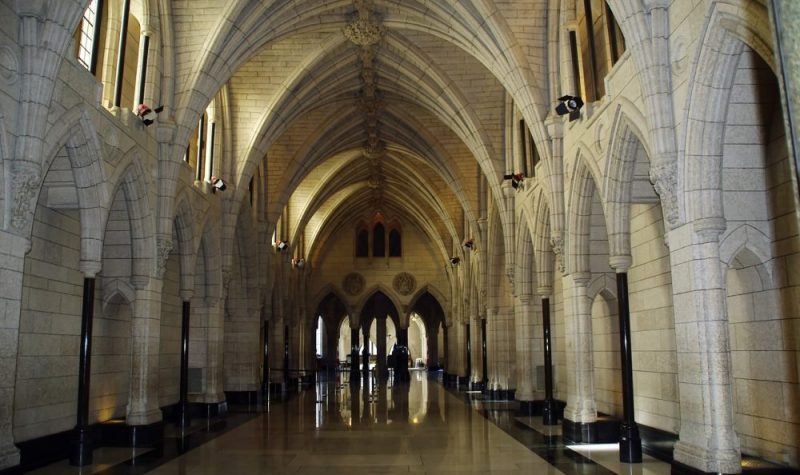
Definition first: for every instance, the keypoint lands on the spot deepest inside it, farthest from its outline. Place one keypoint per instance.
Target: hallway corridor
(416, 428)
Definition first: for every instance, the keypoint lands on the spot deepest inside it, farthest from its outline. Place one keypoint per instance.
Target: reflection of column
(285, 357)
(380, 330)
(265, 360)
(382, 406)
(580, 414)
(81, 453)
(707, 438)
(549, 414)
(630, 444)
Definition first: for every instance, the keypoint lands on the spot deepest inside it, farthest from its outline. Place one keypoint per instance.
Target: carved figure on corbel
(665, 181)
(24, 184)
(164, 247)
(557, 243)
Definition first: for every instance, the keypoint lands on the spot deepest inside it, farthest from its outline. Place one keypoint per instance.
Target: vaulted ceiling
(355, 107)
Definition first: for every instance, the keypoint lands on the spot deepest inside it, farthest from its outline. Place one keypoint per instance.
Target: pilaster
(707, 439)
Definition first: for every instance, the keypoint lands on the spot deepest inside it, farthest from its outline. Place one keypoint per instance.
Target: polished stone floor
(338, 428)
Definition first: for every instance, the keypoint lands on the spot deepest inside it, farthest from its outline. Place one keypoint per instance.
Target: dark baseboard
(604, 431)
(115, 433)
(476, 386)
(247, 398)
(536, 408)
(41, 451)
(500, 394)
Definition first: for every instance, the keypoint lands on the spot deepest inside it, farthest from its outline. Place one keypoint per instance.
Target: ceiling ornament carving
(365, 31)
(404, 283)
(353, 283)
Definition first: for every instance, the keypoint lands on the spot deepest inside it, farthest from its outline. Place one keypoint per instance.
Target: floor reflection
(364, 425)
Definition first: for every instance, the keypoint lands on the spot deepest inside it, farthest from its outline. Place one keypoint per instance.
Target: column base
(630, 443)
(552, 411)
(603, 431)
(9, 457)
(462, 382)
(81, 448)
(703, 460)
(476, 386)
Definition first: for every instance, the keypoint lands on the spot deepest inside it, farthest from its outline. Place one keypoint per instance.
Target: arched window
(601, 45)
(362, 243)
(378, 241)
(88, 36)
(395, 243)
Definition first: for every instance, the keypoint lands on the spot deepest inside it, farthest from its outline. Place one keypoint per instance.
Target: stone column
(401, 354)
(365, 355)
(380, 336)
(355, 377)
(215, 335)
(460, 353)
(526, 370)
(580, 414)
(81, 451)
(433, 345)
(484, 358)
(707, 439)
(143, 408)
(12, 254)
(477, 365)
(468, 351)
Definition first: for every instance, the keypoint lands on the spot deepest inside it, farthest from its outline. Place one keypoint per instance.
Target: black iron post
(549, 416)
(484, 359)
(630, 444)
(265, 370)
(469, 355)
(81, 453)
(183, 418)
(354, 366)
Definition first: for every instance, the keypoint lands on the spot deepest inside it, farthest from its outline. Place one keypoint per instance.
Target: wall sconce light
(569, 105)
(298, 262)
(217, 184)
(148, 115)
(517, 180)
(468, 244)
(455, 260)
(282, 245)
